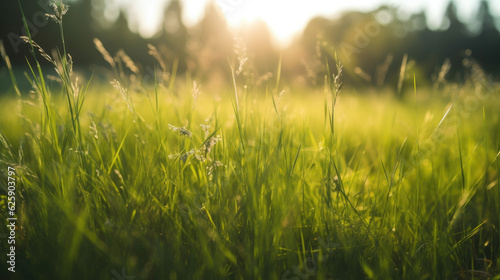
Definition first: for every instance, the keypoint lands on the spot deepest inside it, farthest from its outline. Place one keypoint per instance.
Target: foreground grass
(254, 186)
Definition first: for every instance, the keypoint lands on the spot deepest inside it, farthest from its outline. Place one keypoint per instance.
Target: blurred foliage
(373, 45)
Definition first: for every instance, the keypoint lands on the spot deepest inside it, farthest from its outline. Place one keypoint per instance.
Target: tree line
(372, 45)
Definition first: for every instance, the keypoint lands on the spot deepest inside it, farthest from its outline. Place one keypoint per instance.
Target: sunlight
(146, 19)
(285, 19)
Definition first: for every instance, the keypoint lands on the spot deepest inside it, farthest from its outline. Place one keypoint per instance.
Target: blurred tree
(261, 51)
(365, 42)
(174, 34)
(485, 14)
(210, 44)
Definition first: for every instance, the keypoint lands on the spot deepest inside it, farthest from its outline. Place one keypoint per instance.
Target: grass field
(248, 183)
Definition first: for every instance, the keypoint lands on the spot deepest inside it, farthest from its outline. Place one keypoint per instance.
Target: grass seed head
(196, 92)
(40, 49)
(100, 47)
(153, 51)
(240, 49)
(129, 63)
(60, 8)
(211, 168)
(211, 143)
(181, 130)
(4, 55)
(206, 129)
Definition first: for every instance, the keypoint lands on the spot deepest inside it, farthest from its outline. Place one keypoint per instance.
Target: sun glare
(285, 19)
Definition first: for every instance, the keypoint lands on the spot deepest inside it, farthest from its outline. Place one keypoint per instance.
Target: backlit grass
(242, 183)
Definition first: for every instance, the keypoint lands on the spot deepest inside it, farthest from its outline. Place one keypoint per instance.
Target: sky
(285, 18)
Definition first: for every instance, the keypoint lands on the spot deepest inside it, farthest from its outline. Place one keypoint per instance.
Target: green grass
(316, 184)
(378, 200)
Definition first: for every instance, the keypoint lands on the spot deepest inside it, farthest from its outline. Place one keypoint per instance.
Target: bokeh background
(371, 38)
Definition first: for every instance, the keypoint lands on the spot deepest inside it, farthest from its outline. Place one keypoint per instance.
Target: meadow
(175, 181)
